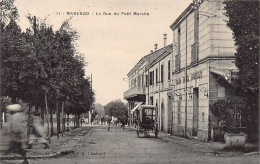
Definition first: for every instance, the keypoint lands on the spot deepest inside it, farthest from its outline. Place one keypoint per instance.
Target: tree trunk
(58, 119)
(74, 121)
(68, 120)
(51, 120)
(47, 115)
(29, 122)
(62, 116)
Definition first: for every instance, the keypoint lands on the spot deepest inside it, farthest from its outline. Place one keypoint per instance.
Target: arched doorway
(170, 115)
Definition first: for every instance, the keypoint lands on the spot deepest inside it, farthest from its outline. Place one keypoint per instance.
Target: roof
(183, 15)
(153, 56)
(158, 55)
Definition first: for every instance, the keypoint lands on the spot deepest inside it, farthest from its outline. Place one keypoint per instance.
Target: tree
(99, 109)
(8, 11)
(243, 20)
(116, 108)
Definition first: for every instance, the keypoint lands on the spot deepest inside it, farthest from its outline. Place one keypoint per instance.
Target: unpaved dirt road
(123, 146)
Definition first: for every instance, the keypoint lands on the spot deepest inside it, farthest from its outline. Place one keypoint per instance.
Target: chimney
(164, 39)
(155, 46)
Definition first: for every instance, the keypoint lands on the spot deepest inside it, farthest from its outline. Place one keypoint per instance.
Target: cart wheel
(137, 132)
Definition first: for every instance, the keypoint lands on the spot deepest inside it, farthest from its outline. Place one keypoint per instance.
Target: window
(178, 62)
(156, 75)
(152, 78)
(194, 52)
(178, 56)
(169, 70)
(142, 83)
(161, 73)
(179, 112)
(179, 40)
(146, 80)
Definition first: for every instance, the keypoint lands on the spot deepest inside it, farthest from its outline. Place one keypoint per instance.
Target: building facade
(184, 78)
(203, 51)
(158, 89)
(149, 82)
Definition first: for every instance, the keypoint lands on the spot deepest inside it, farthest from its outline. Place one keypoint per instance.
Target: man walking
(17, 130)
(38, 133)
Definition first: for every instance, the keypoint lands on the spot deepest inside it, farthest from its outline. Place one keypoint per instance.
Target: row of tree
(39, 66)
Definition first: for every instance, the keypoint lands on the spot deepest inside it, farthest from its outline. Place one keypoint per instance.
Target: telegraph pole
(90, 110)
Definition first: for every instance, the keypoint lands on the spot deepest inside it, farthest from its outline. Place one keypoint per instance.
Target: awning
(139, 104)
(227, 73)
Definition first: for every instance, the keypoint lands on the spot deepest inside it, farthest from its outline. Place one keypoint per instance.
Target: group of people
(17, 131)
(113, 120)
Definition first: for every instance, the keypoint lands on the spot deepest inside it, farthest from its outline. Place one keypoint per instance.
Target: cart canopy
(134, 109)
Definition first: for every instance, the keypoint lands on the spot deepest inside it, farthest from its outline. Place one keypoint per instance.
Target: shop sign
(195, 75)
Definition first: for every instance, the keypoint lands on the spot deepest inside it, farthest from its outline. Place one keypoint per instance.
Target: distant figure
(38, 133)
(17, 130)
(124, 122)
(109, 119)
(102, 120)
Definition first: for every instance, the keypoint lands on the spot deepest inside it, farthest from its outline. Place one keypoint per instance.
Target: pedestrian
(38, 133)
(102, 120)
(109, 119)
(124, 122)
(17, 130)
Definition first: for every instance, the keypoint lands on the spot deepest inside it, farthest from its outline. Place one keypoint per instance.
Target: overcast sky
(112, 44)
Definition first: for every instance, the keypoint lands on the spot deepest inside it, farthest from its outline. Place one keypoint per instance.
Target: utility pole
(90, 110)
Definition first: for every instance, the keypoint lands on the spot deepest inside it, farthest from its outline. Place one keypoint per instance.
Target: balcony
(135, 94)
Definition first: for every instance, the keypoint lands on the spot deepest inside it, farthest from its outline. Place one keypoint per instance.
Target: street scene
(95, 144)
(116, 81)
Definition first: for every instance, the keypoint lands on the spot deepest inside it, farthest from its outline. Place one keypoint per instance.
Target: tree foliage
(244, 22)
(41, 60)
(116, 108)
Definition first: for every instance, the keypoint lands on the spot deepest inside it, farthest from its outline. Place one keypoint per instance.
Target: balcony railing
(134, 91)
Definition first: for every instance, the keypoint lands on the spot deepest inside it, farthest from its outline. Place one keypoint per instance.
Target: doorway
(170, 115)
(195, 111)
(162, 117)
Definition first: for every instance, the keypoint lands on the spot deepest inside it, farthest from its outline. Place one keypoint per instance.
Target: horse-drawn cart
(146, 119)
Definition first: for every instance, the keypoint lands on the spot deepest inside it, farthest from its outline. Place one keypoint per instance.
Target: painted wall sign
(195, 75)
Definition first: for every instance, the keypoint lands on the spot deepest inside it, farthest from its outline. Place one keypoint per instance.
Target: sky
(111, 44)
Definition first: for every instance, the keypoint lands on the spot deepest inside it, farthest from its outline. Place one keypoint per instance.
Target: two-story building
(203, 54)
(149, 83)
(158, 90)
(184, 78)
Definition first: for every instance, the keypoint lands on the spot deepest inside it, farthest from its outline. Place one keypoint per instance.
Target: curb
(53, 155)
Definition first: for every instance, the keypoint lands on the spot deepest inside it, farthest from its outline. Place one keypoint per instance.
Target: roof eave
(183, 15)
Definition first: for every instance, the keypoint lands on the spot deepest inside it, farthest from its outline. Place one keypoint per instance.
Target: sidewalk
(211, 148)
(63, 145)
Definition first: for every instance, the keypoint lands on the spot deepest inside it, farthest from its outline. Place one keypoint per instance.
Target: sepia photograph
(129, 81)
